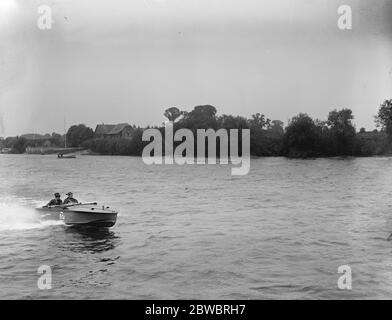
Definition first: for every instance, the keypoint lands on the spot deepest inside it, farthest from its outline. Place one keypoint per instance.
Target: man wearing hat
(70, 199)
(56, 201)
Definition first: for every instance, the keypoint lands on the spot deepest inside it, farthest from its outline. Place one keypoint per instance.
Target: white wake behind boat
(82, 214)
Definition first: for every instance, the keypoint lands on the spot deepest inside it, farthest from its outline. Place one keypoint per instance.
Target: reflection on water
(89, 240)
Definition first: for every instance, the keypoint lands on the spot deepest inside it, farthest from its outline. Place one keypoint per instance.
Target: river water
(196, 232)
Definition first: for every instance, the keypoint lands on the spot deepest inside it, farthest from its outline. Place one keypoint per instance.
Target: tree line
(303, 137)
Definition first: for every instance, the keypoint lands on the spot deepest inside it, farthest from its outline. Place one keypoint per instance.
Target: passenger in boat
(56, 201)
(70, 199)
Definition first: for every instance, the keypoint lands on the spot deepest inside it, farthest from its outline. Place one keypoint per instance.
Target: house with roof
(121, 130)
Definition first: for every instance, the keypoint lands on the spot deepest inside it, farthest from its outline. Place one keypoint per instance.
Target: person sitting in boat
(56, 201)
(70, 199)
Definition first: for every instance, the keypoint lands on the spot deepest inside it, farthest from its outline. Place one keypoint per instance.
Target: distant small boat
(82, 214)
(62, 156)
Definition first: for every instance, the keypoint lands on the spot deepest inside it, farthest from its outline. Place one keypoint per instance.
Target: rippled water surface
(197, 232)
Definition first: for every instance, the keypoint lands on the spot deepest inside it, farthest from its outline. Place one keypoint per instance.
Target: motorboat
(81, 214)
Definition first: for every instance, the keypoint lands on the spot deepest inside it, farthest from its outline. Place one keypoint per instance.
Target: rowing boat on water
(82, 214)
(61, 156)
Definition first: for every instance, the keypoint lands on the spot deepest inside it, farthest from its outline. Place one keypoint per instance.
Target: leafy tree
(342, 132)
(259, 122)
(77, 134)
(384, 117)
(265, 139)
(172, 114)
(19, 145)
(57, 139)
(301, 137)
(371, 143)
(201, 117)
(232, 122)
(340, 119)
(276, 127)
(9, 142)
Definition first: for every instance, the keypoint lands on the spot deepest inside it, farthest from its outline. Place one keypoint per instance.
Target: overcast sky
(126, 61)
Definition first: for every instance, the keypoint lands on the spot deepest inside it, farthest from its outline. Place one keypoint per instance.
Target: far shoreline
(252, 157)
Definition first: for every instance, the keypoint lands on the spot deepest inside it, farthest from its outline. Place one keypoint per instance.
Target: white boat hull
(82, 215)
